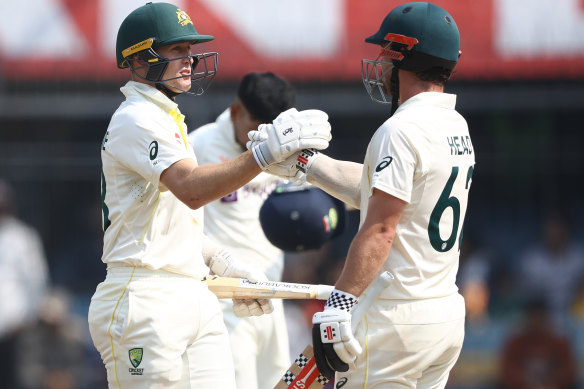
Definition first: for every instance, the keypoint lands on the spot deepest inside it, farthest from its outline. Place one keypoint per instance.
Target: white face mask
(373, 71)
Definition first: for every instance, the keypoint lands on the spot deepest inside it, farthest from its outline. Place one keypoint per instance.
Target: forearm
(199, 185)
(367, 254)
(341, 179)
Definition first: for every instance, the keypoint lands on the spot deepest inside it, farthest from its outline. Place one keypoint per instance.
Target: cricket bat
(241, 288)
(303, 373)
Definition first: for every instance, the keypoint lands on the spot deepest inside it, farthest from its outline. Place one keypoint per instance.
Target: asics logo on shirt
(383, 164)
(153, 150)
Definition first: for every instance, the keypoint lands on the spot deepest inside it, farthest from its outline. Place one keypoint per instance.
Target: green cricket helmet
(419, 36)
(416, 37)
(160, 24)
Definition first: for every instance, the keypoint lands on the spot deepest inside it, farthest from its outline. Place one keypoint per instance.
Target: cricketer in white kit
(412, 192)
(155, 324)
(154, 236)
(423, 155)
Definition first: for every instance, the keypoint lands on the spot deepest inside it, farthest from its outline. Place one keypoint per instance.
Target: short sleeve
(393, 160)
(147, 144)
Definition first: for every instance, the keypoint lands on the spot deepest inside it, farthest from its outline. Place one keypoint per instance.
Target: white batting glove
(287, 169)
(223, 264)
(290, 132)
(334, 345)
(305, 159)
(295, 167)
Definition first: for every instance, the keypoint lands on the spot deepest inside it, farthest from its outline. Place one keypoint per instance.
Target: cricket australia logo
(183, 17)
(135, 355)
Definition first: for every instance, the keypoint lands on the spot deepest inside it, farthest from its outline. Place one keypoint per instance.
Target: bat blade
(241, 288)
(303, 374)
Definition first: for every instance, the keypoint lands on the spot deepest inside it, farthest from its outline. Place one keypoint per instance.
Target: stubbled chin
(183, 85)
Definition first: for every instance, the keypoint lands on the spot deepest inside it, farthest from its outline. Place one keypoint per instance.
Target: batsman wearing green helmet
(412, 192)
(155, 324)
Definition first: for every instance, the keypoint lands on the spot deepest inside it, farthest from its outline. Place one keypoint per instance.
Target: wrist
(305, 159)
(341, 300)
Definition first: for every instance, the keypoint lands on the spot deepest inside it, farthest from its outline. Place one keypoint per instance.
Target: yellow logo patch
(145, 44)
(183, 17)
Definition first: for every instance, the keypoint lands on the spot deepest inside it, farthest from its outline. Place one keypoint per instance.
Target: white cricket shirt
(233, 221)
(144, 223)
(423, 155)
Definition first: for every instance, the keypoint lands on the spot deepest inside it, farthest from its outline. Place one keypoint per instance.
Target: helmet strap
(164, 89)
(394, 90)
(155, 69)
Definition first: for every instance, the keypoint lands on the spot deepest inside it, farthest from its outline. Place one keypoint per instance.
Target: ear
(135, 58)
(235, 109)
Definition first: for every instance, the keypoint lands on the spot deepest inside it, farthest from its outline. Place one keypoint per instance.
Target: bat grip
(323, 292)
(373, 293)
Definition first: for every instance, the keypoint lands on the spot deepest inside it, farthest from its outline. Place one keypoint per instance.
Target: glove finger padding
(320, 355)
(306, 116)
(256, 136)
(248, 307)
(266, 306)
(254, 308)
(290, 132)
(349, 348)
(333, 359)
(240, 308)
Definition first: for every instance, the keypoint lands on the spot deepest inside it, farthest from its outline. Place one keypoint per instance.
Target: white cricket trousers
(261, 351)
(156, 329)
(407, 344)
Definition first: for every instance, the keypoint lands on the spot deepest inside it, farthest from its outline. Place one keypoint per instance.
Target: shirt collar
(437, 99)
(133, 88)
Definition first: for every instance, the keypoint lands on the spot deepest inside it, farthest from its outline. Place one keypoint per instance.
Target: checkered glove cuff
(341, 300)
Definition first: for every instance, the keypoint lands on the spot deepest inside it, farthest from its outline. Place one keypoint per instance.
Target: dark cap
(301, 218)
(265, 95)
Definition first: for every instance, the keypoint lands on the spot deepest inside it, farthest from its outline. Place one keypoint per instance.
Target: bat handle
(323, 292)
(373, 293)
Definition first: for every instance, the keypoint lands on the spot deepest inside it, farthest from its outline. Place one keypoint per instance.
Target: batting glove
(334, 345)
(223, 264)
(305, 159)
(290, 132)
(287, 169)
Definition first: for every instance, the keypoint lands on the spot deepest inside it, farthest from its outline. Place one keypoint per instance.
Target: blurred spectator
(51, 354)
(23, 279)
(77, 264)
(473, 279)
(553, 269)
(537, 357)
